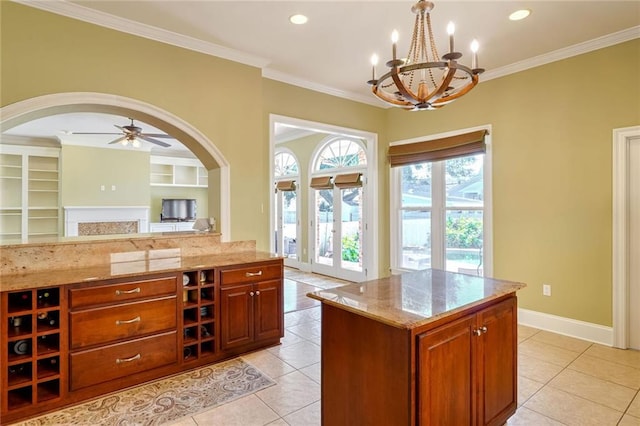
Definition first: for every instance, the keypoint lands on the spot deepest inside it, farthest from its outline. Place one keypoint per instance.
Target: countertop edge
(417, 323)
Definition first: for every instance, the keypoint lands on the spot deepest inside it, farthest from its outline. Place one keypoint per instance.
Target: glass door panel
(290, 224)
(324, 238)
(351, 229)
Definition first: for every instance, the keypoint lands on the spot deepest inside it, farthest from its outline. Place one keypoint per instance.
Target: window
(441, 215)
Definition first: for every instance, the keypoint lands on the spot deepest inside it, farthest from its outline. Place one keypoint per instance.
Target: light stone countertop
(415, 299)
(131, 264)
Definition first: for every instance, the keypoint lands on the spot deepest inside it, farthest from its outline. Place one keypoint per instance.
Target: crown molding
(306, 84)
(75, 11)
(106, 20)
(564, 53)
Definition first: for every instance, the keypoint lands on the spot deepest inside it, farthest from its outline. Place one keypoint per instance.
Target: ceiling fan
(132, 134)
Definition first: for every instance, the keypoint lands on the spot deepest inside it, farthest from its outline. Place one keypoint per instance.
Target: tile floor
(562, 380)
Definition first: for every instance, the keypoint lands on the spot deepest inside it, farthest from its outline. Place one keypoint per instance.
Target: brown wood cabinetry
(64, 344)
(32, 355)
(473, 359)
(105, 337)
(457, 370)
(251, 305)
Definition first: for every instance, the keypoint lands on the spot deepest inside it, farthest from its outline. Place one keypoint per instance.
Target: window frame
(438, 207)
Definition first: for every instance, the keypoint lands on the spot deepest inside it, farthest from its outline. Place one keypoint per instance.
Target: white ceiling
(331, 52)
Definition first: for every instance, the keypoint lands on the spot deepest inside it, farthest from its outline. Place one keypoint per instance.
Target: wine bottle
(45, 318)
(43, 298)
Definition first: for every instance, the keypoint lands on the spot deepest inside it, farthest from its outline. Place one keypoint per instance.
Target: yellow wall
(552, 156)
(552, 137)
(44, 53)
(83, 172)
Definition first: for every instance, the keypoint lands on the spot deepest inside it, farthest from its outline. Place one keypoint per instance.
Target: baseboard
(566, 326)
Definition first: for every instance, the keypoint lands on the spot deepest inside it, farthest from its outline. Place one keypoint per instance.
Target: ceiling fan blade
(156, 135)
(96, 133)
(157, 142)
(125, 130)
(118, 140)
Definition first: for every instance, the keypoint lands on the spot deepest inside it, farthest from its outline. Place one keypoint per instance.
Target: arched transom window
(341, 153)
(285, 165)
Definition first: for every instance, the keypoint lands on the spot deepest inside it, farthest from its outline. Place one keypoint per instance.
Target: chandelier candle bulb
(394, 41)
(474, 48)
(451, 28)
(374, 63)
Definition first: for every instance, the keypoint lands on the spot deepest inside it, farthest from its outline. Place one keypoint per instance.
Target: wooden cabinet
(458, 370)
(32, 357)
(251, 305)
(120, 329)
(472, 358)
(66, 344)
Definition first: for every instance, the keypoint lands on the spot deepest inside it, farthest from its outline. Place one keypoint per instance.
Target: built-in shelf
(175, 171)
(29, 180)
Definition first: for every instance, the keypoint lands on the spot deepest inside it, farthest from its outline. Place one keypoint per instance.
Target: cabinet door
(446, 373)
(268, 310)
(497, 363)
(236, 307)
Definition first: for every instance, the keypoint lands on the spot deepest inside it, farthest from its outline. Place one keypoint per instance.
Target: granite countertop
(415, 299)
(130, 264)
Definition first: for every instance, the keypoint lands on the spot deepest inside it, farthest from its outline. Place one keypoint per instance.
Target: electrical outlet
(546, 289)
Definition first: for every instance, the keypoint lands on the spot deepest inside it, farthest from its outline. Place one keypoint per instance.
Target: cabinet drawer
(248, 274)
(102, 325)
(121, 292)
(123, 359)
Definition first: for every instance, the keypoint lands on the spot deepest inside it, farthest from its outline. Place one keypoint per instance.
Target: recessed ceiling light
(519, 14)
(298, 19)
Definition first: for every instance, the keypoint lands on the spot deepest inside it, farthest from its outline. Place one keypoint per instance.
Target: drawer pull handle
(135, 290)
(120, 322)
(253, 274)
(133, 358)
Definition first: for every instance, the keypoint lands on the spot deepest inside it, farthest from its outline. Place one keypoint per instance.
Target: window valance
(438, 149)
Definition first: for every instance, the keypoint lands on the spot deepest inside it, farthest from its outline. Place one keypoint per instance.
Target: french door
(337, 232)
(287, 227)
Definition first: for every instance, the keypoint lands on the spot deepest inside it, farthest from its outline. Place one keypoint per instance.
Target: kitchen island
(422, 348)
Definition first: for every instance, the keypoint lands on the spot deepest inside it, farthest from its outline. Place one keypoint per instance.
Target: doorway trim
(620, 218)
(40, 106)
(371, 202)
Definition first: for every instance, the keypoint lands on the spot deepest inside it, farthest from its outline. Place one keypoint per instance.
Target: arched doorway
(41, 106)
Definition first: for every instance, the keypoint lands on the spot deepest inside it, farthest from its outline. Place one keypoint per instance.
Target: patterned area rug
(165, 400)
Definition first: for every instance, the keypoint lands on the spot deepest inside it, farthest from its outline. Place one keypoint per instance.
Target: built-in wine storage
(198, 314)
(31, 346)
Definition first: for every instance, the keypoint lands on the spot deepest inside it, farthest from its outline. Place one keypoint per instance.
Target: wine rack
(31, 354)
(198, 314)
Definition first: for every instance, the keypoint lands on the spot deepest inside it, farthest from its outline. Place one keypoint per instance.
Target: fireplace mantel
(73, 215)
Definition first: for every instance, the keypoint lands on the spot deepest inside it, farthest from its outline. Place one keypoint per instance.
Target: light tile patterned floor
(562, 380)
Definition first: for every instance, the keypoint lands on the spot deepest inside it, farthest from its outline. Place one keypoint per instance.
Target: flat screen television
(180, 209)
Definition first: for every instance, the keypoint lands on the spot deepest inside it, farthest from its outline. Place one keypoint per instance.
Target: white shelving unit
(29, 192)
(174, 171)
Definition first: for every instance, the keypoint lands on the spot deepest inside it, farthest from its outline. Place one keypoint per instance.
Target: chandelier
(424, 79)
